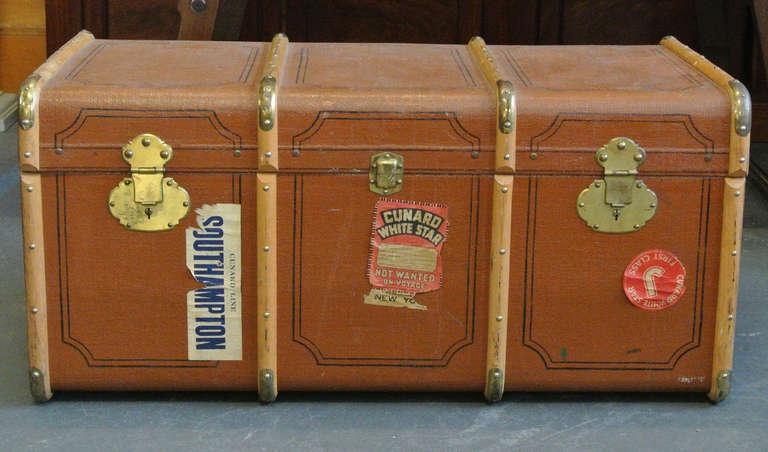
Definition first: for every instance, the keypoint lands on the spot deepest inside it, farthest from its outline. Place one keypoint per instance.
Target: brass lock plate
(147, 201)
(618, 203)
(386, 173)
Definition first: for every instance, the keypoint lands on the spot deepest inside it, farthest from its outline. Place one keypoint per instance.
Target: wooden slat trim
(272, 70)
(29, 139)
(739, 145)
(498, 293)
(266, 203)
(728, 287)
(505, 142)
(34, 278)
(32, 227)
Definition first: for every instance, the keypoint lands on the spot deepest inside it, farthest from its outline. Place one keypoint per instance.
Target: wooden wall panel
(22, 41)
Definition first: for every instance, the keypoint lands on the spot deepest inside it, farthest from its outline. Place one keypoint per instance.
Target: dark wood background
(722, 30)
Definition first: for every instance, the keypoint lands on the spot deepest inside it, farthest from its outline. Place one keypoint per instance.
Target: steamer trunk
(381, 217)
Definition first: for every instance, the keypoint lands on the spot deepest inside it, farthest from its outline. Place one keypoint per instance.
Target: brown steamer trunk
(614, 151)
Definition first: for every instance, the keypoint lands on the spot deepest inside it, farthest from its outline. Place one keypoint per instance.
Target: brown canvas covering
(114, 300)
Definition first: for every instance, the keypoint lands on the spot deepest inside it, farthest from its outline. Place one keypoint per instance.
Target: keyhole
(148, 211)
(616, 213)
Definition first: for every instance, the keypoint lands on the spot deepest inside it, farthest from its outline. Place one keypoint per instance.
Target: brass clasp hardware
(147, 201)
(386, 173)
(618, 203)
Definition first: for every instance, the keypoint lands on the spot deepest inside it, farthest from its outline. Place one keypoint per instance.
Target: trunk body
(519, 291)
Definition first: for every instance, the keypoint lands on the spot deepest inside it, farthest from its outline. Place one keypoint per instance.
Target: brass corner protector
(267, 386)
(267, 102)
(506, 104)
(37, 385)
(494, 386)
(28, 101)
(722, 385)
(742, 108)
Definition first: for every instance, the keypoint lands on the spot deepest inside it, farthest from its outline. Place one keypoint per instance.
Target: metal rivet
(497, 374)
(708, 158)
(185, 203)
(266, 248)
(581, 204)
(399, 181)
(499, 318)
(30, 188)
(653, 205)
(637, 226)
(534, 156)
(32, 246)
(112, 203)
(59, 151)
(504, 189)
(734, 253)
(507, 124)
(169, 182)
(475, 154)
(730, 316)
(146, 142)
(597, 184)
(34, 310)
(27, 154)
(603, 157)
(198, 6)
(266, 188)
(164, 154)
(36, 374)
(268, 154)
(506, 156)
(128, 154)
(502, 251)
(267, 375)
(371, 181)
(638, 157)
(737, 193)
(128, 225)
(596, 226)
(742, 160)
(170, 225)
(621, 145)
(295, 153)
(742, 128)
(386, 192)
(266, 315)
(639, 185)
(267, 122)
(237, 153)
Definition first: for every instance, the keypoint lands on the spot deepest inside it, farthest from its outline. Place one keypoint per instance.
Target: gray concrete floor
(314, 421)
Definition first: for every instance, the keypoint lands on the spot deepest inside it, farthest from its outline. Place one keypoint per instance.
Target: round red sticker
(654, 280)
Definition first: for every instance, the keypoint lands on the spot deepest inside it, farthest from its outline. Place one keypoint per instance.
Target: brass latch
(618, 203)
(386, 173)
(147, 201)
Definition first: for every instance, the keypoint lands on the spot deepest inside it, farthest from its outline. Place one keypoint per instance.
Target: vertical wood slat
(498, 293)
(34, 278)
(728, 287)
(32, 228)
(266, 203)
(63, 19)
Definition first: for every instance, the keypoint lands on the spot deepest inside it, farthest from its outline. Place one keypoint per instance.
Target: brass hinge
(147, 201)
(618, 203)
(386, 173)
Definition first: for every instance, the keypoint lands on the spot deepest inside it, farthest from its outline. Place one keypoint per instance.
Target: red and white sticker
(405, 249)
(654, 280)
